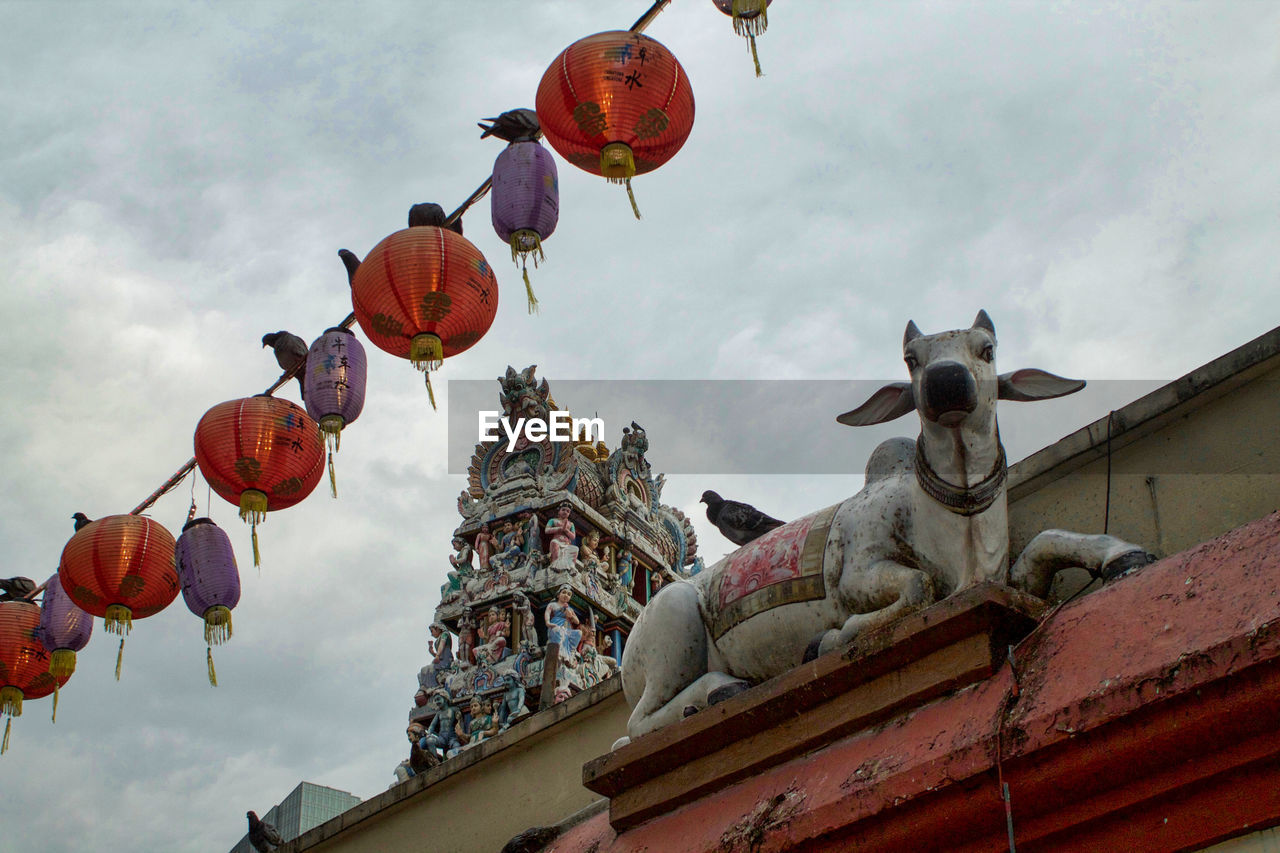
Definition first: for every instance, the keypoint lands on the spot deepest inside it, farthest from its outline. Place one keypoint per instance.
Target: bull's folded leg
(885, 592)
(1054, 550)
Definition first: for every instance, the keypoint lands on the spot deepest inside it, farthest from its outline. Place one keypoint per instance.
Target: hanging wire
(480, 192)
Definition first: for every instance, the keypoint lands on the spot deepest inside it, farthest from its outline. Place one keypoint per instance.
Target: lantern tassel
(756, 24)
(62, 663)
(333, 482)
(217, 625)
(118, 619)
(632, 196)
(253, 508)
(431, 394)
(754, 56)
(119, 658)
(528, 292)
(4, 747)
(54, 718)
(213, 675)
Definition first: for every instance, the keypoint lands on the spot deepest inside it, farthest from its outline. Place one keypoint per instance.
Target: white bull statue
(930, 521)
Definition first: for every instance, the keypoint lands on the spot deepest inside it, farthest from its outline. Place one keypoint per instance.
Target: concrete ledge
(956, 642)
(405, 793)
(1141, 717)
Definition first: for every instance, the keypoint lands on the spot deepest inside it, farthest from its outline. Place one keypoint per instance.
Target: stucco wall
(530, 775)
(1189, 462)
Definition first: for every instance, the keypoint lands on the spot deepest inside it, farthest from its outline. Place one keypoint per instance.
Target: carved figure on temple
(626, 570)
(560, 530)
(589, 558)
(511, 707)
(931, 520)
(467, 640)
(496, 632)
(421, 756)
(508, 549)
(599, 665)
(656, 582)
(441, 646)
(462, 569)
(482, 725)
(563, 624)
(528, 631)
(485, 546)
(532, 532)
(442, 732)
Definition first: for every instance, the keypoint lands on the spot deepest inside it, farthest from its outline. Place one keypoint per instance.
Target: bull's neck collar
(962, 500)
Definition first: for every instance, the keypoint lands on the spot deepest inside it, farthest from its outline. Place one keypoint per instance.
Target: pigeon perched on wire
(82, 521)
(291, 355)
(262, 835)
(739, 522)
(430, 213)
(16, 589)
(513, 126)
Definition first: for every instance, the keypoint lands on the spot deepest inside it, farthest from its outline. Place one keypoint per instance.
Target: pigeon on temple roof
(291, 354)
(739, 522)
(262, 835)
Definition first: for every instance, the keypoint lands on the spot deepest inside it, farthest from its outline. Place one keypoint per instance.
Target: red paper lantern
(120, 568)
(24, 662)
(616, 104)
(425, 294)
(261, 454)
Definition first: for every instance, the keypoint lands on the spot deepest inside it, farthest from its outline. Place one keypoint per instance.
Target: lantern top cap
(193, 522)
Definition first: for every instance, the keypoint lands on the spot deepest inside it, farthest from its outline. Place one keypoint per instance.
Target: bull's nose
(948, 392)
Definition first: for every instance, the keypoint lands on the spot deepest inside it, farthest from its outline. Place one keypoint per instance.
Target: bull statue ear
(1029, 384)
(982, 321)
(890, 402)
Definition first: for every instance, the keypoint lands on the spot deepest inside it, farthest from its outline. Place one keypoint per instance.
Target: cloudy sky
(176, 178)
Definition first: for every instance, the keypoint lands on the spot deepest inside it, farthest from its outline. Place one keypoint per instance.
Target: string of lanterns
(615, 104)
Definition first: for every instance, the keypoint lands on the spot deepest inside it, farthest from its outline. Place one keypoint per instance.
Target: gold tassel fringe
(62, 663)
(333, 481)
(56, 686)
(119, 658)
(756, 24)
(4, 747)
(213, 675)
(118, 619)
(331, 431)
(426, 351)
(755, 57)
(253, 506)
(253, 537)
(217, 625)
(617, 163)
(431, 394)
(11, 701)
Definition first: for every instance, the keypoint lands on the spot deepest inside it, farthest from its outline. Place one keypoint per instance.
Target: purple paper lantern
(336, 370)
(525, 203)
(210, 581)
(64, 630)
